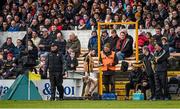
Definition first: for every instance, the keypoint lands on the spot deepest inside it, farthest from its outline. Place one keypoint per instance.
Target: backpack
(173, 85)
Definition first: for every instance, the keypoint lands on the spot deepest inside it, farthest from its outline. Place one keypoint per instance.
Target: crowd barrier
(72, 87)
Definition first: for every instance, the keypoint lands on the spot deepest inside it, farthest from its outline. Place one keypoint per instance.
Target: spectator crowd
(44, 19)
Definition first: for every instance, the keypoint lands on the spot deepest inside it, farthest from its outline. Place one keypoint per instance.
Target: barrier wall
(72, 87)
(83, 35)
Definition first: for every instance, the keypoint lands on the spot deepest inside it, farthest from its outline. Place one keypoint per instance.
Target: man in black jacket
(55, 64)
(137, 80)
(161, 60)
(158, 34)
(147, 61)
(44, 44)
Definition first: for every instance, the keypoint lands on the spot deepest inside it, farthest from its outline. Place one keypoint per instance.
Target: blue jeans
(120, 55)
(171, 49)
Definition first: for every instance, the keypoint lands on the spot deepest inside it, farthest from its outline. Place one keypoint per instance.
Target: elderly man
(73, 44)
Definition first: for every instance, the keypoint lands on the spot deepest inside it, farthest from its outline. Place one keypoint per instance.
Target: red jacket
(142, 40)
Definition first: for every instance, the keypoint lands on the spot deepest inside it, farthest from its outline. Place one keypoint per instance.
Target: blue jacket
(13, 29)
(92, 44)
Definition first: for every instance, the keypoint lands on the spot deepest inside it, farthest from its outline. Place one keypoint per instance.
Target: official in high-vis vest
(108, 60)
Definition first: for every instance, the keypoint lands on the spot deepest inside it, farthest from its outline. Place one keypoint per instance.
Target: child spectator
(42, 65)
(71, 62)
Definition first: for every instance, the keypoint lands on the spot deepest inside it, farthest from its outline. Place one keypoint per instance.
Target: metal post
(137, 48)
(99, 51)
(29, 88)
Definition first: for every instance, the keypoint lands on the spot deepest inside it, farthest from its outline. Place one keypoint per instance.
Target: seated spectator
(114, 38)
(28, 36)
(76, 19)
(58, 26)
(93, 42)
(142, 39)
(151, 42)
(61, 42)
(177, 40)
(71, 62)
(123, 47)
(34, 25)
(35, 38)
(45, 42)
(114, 6)
(105, 38)
(69, 12)
(19, 48)
(87, 21)
(32, 50)
(166, 30)
(73, 44)
(82, 24)
(131, 41)
(158, 35)
(165, 43)
(170, 38)
(47, 23)
(4, 27)
(53, 32)
(13, 27)
(7, 47)
(8, 68)
(93, 23)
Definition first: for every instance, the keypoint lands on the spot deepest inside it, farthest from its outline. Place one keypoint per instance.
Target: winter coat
(124, 46)
(55, 64)
(75, 46)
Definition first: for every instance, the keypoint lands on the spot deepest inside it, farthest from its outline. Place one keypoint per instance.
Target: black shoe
(52, 99)
(60, 99)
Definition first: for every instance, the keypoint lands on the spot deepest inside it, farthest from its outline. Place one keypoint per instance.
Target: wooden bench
(175, 54)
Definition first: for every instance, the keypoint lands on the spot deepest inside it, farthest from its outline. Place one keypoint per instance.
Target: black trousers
(161, 85)
(151, 82)
(56, 80)
(107, 81)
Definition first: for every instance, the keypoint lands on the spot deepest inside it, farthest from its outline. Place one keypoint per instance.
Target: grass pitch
(89, 104)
